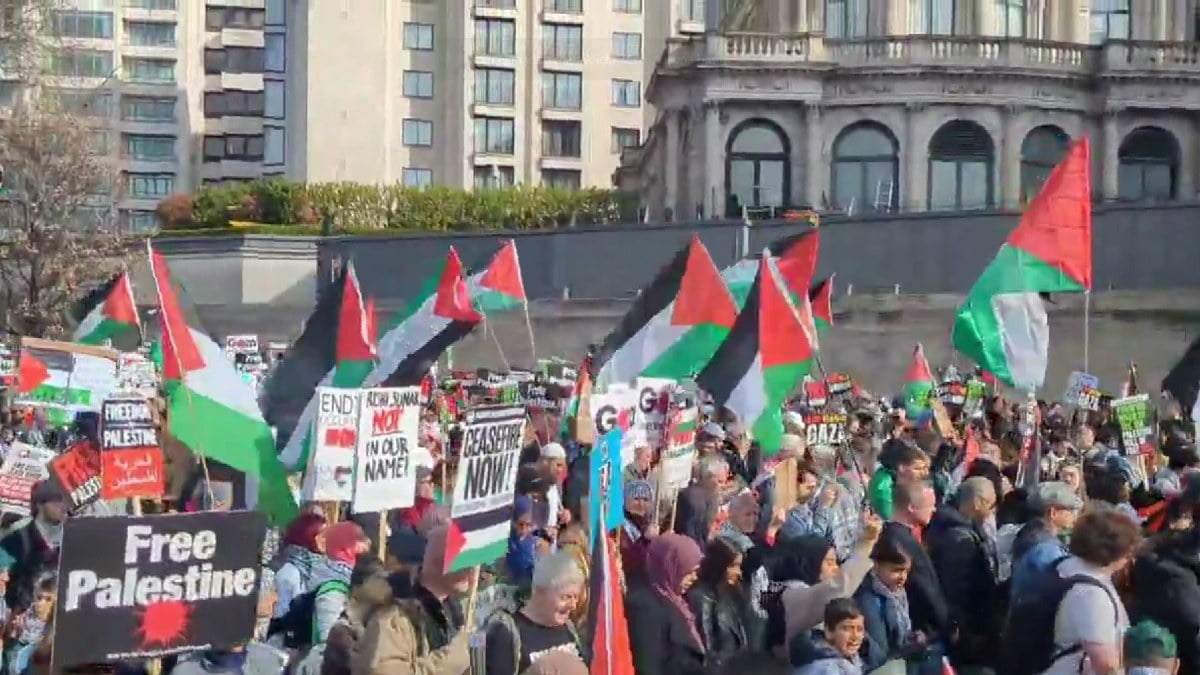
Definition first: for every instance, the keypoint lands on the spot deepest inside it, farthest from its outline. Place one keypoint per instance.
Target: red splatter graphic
(164, 622)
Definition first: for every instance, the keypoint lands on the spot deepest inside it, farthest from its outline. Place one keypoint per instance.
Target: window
(626, 93)
(693, 10)
(217, 18)
(417, 178)
(139, 222)
(82, 63)
(1148, 165)
(85, 102)
(150, 34)
(234, 60)
(1011, 15)
(1042, 150)
(563, 91)
(494, 86)
(275, 58)
(563, 179)
(150, 185)
(97, 25)
(961, 159)
(493, 177)
(628, 6)
(273, 145)
(945, 17)
(562, 43)
(99, 142)
(276, 13)
(625, 138)
(8, 94)
(149, 148)
(419, 83)
(150, 108)
(757, 171)
(214, 147)
(233, 103)
(1110, 20)
(418, 36)
(494, 136)
(866, 168)
(274, 101)
(244, 148)
(561, 138)
(847, 18)
(627, 46)
(565, 6)
(152, 4)
(495, 37)
(417, 133)
(149, 71)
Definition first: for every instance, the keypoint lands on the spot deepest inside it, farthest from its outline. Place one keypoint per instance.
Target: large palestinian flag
(1002, 325)
(764, 358)
(674, 326)
(334, 350)
(108, 315)
(210, 409)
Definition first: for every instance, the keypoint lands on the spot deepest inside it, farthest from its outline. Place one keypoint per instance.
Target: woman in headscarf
(299, 554)
(663, 635)
(522, 543)
(638, 528)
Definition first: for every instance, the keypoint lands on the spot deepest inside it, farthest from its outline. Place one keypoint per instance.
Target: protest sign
(650, 415)
(1077, 383)
(77, 473)
(131, 460)
(606, 493)
(241, 344)
(680, 452)
(388, 424)
(837, 384)
(952, 393)
(1135, 419)
(334, 440)
(825, 429)
(24, 466)
(617, 410)
(1090, 398)
(65, 378)
(816, 394)
(143, 587)
(486, 482)
(976, 392)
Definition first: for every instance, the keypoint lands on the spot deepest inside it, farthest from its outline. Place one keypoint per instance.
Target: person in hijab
(299, 554)
(522, 543)
(344, 542)
(638, 528)
(663, 634)
(35, 545)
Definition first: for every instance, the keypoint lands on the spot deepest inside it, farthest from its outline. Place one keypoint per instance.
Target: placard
(1090, 398)
(952, 393)
(77, 473)
(384, 471)
(65, 378)
(680, 452)
(825, 429)
(617, 410)
(24, 466)
(816, 394)
(242, 344)
(334, 442)
(1135, 419)
(838, 383)
(148, 586)
(650, 415)
(1077, 383)
(131, 460)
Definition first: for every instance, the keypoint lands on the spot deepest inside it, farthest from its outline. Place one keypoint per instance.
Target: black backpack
(1028, 640)
(297, 625)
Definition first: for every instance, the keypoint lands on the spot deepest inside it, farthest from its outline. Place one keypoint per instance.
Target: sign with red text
(77, 472)
(131, 461)
(388, 424)
(334, 440)
(24, 466)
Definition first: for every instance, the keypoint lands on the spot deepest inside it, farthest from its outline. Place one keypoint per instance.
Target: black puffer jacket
(1166, 589)
(965, 560)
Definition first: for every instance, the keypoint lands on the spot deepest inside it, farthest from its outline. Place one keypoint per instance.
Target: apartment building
(468, 93)
(941, 105)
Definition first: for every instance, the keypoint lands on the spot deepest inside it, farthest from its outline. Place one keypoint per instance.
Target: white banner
(384, 476)
(330, 472)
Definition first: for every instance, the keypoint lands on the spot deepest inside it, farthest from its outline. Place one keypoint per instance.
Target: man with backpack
(1073, 622)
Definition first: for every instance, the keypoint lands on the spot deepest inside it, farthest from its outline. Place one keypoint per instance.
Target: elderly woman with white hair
(516, 640)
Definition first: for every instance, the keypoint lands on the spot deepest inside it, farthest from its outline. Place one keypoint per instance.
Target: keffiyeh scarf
(895, 606)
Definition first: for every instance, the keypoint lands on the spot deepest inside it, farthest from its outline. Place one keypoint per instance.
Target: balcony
(551, 15)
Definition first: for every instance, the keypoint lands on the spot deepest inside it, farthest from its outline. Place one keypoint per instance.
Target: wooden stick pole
(383, 537)
(474, 595)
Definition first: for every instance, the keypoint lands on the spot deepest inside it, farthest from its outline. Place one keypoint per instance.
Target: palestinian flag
(820, 295)
(795, 258)
(38, 367)
(334, 350)
(445, 316)
(210, 409)
(447, 309)
(764, 358)
(674, 326)
(108, 315)
(918, 384)
(611, 653)
(1002, 325)
(1183, 381)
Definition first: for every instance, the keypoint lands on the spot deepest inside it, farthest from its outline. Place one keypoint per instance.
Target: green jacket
(879, 492)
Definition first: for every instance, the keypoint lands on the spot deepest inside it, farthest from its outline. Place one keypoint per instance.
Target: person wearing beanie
(330, 582)
(34, 546)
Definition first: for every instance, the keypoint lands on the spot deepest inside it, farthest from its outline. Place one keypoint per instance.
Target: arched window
(847, 18)
(1041, 151)
(961, 158)
(757, 170)
(1149, 165)
(866, 168)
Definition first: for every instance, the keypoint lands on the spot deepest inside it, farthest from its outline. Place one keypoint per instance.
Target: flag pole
(487, 328)
(1087, 331)
(529, 329)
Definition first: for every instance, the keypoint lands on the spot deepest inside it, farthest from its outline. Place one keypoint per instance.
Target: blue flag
(606, 494)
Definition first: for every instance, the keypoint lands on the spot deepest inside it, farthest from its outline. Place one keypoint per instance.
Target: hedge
(369, 208)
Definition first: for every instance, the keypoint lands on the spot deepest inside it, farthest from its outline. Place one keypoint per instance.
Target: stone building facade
(913, 105)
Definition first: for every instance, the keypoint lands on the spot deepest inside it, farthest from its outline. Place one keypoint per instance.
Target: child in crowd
(27, 630)
(884, 604)
(836, 651)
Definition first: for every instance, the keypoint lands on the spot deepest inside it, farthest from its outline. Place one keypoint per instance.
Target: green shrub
(363, 208)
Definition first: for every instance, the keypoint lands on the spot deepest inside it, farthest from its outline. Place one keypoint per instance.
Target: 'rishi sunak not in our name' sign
(487, 467)
(387, 437)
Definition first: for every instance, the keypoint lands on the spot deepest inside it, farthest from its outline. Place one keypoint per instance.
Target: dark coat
(659, 636)
(926, 601)
(1166, 590)
(33, 557)
(720, 616)
(965, 561)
